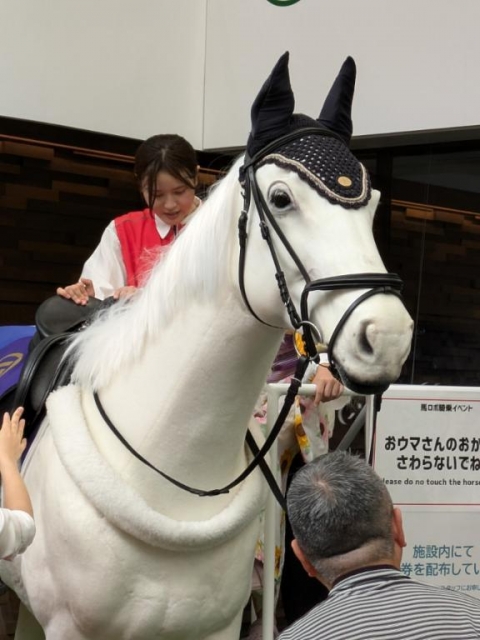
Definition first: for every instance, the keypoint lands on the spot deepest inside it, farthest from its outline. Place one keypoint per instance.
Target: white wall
(139, 67)
(417, 61)
(118, 66)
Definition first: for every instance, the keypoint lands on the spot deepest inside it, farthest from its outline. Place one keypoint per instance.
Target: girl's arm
(12, 445)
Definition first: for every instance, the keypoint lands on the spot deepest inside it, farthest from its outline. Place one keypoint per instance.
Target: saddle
(45, 368)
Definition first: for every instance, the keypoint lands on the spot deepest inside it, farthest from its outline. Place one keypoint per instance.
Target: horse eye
(280, 199)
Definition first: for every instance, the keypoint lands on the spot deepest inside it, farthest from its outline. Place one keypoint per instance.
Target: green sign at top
(283, 3)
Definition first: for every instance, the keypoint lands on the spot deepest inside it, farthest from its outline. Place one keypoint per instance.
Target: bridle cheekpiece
(353, 193)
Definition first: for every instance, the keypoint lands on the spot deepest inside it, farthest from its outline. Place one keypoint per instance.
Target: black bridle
(375, 283)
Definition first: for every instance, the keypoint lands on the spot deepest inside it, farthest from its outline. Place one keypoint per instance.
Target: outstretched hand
(328, 387)
(79, 292)
(12, 442)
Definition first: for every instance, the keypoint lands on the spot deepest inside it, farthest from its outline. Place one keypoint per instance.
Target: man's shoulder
(426, 600)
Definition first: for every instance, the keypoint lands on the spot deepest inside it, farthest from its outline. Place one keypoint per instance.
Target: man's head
(342, 517)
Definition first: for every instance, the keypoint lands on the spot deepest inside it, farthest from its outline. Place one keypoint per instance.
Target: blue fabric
(11, 333)
(14, 343)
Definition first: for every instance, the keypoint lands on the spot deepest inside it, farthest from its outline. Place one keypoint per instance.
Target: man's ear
(308, 566)
(397, 527)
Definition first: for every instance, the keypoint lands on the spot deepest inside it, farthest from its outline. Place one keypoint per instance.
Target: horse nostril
(365, 345)
(366, 338)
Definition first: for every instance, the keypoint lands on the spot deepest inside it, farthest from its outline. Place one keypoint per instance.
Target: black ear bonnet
(317, 150)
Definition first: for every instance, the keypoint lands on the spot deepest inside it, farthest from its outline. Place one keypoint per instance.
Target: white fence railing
(272, 508)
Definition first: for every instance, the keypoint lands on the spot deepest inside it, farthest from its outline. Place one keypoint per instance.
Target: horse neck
(186, 402)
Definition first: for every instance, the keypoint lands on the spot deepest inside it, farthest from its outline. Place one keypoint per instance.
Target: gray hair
(341, 514)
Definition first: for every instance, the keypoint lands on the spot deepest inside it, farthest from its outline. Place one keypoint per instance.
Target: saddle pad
(13, 354)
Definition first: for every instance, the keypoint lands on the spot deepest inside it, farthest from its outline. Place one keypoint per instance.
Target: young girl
(17, 527)
(167, 173)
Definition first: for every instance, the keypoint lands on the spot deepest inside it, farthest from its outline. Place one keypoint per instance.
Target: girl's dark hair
(166, 152)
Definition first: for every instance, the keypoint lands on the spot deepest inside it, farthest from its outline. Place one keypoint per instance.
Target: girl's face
(174, 200)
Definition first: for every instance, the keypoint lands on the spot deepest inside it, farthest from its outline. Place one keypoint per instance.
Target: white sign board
(415, 61)
(427, 451)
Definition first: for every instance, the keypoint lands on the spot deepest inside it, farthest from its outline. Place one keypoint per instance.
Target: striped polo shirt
(380, 603)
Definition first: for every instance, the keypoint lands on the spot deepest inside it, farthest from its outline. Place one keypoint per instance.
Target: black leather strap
(375, 283)
(267, 473)
(258, 459)
(264, 214)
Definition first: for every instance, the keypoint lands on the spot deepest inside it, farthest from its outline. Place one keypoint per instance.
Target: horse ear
(336, 113)
(273, 108)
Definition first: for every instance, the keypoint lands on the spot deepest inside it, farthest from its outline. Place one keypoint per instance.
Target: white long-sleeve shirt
(105, 267)
(17, 530)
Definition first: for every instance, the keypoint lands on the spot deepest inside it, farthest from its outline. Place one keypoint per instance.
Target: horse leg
(27, 626)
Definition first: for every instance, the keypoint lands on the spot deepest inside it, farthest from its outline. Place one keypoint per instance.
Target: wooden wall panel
(55, 202)
(54, 205)
(437, 252)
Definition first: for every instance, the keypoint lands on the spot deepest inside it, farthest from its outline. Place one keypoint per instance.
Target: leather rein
(375, 283)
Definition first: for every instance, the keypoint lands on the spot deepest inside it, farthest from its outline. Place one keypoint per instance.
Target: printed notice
(427, 451)
(427, 445)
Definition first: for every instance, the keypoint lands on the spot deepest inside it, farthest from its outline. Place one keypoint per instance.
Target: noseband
(375, 282)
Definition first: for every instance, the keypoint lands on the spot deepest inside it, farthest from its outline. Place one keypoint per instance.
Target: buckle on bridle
(301, 346)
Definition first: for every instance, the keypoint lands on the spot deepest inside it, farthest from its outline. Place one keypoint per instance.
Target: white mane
(194, 268)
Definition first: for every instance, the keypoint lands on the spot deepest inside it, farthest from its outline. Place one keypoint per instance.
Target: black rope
(267, 472)
(258, 459)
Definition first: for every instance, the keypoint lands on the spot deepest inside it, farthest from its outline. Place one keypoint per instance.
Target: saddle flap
(44, 371)
(58, 315)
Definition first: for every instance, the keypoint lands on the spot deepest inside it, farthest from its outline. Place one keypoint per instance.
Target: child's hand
(328, 388)
(12, 442)
(78, 292)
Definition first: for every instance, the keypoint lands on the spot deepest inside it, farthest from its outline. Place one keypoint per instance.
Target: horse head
(309, 203)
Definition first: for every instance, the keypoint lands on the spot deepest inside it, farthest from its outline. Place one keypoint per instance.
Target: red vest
(140, 243)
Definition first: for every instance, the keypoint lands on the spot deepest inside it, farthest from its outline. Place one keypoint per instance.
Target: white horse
(120, 552)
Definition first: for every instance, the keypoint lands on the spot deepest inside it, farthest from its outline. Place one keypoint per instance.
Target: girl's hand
(12, 442)
(78, 292)
(328, 387)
